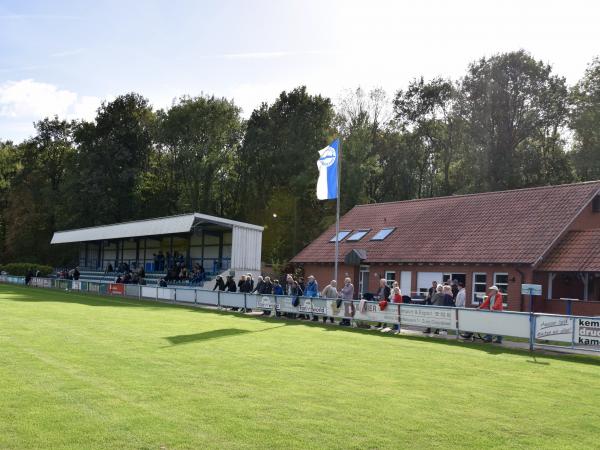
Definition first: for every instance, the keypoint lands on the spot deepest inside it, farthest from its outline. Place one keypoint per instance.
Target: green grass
(88, 372)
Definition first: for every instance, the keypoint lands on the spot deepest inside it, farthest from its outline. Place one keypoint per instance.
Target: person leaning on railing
(492, 302)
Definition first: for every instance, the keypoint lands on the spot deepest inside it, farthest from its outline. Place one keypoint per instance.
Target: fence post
(195, 296)
(219, 299)
(156, 293)
(245, 303)
(174, 295)
(275, 306)
(139, 292)
(532, 319)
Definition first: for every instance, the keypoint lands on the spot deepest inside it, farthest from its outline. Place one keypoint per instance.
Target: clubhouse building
(546, 235)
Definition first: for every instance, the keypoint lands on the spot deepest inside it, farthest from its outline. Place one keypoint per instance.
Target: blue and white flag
(328, 171)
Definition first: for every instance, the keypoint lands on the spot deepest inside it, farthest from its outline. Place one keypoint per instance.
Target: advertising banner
(587, 331)
(372, 312)
(495, 322)
(116, 289)
(554, 328)
(427, 316)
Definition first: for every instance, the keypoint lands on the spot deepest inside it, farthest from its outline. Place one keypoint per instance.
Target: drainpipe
(522, 297)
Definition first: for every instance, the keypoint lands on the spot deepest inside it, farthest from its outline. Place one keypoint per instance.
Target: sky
(66, 57)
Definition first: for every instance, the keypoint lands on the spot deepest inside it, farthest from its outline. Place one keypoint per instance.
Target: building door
(424, 280)
(363, 280)
(405, 282)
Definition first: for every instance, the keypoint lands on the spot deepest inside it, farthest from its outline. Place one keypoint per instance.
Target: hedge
(21, 269)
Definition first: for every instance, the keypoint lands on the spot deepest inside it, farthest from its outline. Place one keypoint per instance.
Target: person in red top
(493, 302)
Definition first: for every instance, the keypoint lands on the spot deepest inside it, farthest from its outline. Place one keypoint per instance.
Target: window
(358, 235)
(390, 277)
(382, 234)
(479, 287)
(501, 281)
(341, 235)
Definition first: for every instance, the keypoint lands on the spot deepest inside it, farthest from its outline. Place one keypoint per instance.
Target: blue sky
(65, 57)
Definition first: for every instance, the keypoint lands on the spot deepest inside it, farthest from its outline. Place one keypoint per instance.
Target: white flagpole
(337, 211)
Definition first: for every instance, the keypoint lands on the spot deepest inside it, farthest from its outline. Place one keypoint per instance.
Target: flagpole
(337, 211)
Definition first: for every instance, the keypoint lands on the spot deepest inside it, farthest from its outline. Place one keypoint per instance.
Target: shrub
(20, 269)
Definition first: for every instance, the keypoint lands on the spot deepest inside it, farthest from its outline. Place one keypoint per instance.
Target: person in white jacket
(461, 297)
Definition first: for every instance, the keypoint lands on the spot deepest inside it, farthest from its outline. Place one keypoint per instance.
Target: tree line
(509, 122)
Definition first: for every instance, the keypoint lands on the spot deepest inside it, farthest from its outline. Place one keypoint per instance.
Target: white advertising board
(166, 293)
(531, 289)
(587, 331)
(427, 316)
(373, 313)
(232, 299)
(76, 285)
(185, 295)
(554, 328)
(494, 322)
(207, 297)
(149, 292)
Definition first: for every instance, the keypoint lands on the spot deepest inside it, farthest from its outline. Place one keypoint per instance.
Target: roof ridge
(533, 188)
(125, 223)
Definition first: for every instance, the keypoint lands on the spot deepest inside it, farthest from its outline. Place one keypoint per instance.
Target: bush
(20, 269)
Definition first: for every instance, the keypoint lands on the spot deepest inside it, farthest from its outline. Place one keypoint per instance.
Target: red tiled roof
(496, 227)
(579, 251)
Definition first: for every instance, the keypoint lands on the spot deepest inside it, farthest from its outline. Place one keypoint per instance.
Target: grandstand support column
(220, 251)
(145, 246)
(170, 247)
(137, 252)
(188, 256)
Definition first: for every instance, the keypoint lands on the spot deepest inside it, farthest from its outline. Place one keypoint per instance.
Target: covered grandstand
(218, 245)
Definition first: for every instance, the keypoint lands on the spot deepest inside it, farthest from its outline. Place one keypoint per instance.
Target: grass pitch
(87, 372)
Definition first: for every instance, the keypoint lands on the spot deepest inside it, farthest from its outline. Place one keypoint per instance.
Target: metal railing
(540, 330)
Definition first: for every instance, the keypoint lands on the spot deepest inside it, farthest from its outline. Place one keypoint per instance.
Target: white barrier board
(232, 299)
(132, 290)
(494, 322)
(427, 316)
(587, 331)
(372, 313)
(207, 297)
(185, 295)
(554, 328)
(149, 292)
(76, 285)
(166, 293)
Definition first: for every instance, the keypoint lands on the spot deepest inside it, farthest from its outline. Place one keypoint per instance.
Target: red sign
(116, 289)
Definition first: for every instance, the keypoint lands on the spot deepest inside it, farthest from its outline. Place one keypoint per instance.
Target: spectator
(162, 283)
(109, 268)
(461, 296)
(448, 297)
(76, 273)
(383, 293)
(267, 286)
(230, 284)
(455, 288)
(155, 261)
(396, 298)
(260, 285)
(161, 261)
(347, 294)
(293, 290)
(436, 300)
(28, 276)
(311, 290)
(219, 283)
(431, 292)
(493, 302)
(241, 283)
(277, 288)
(330, 292)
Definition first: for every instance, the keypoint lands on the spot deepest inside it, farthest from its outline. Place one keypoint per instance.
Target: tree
(280, 154)
(429, 111)
(199, 139)
(515, 107)
(584, 121)
(112, 153)
(34, 202)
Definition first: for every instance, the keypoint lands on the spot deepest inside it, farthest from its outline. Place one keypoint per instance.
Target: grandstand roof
(150, 227)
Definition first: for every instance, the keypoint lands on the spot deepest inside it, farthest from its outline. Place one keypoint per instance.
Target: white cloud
(33, 100)
(26, 101)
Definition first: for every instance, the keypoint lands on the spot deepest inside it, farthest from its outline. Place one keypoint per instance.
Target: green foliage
(585, 120)
(505, 125)
(21, 269)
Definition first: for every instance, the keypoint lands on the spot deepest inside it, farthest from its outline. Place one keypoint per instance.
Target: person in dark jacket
(241, 283)
(230, 284)
(76, 273)
(260, 285)
(383, 293)
(219, 283)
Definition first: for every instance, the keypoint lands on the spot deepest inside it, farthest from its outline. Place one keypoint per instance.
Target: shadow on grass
(213, 334)
(27, 294)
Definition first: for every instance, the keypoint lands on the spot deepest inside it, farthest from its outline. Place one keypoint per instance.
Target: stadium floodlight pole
(337, 212)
